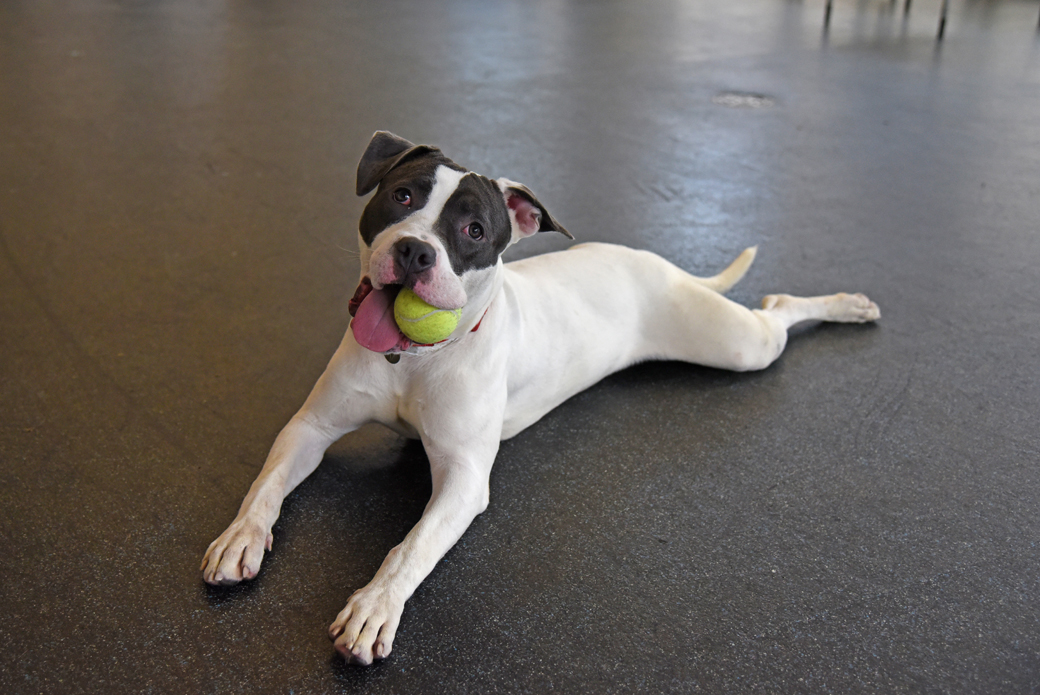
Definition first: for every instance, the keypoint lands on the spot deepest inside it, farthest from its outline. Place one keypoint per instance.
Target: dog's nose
(412, 257)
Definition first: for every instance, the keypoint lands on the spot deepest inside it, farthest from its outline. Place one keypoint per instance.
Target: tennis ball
(421, 322)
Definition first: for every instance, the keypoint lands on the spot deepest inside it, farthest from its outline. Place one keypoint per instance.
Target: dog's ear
(384, 152)
(528, 214)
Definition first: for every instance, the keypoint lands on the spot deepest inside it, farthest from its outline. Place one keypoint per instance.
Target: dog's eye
(475, 231)
(403, 196)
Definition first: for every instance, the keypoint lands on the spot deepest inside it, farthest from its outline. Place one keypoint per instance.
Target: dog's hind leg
(690, 323)
(839, 308)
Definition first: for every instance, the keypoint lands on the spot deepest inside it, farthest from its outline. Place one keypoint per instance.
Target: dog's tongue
(373, 325)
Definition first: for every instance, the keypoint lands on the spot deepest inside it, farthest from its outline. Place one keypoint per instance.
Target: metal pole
(942, 20)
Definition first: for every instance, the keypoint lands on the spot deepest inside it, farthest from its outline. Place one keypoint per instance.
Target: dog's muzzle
(412, 257)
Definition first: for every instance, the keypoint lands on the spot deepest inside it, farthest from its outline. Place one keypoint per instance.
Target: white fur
(554, 325)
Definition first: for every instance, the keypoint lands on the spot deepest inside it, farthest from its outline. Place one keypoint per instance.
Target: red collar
(479, 322)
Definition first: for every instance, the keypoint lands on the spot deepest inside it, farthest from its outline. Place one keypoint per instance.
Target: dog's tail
(722, 282)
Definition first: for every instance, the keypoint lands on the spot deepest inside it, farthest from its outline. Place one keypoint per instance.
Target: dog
(532, 333)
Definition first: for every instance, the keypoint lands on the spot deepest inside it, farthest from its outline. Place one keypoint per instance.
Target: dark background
(178, 244)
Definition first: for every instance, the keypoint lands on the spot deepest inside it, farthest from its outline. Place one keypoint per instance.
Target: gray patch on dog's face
(476, 200)
(475, 204)
(416, 177)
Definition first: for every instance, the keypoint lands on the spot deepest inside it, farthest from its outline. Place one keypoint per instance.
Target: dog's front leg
(365, 629)
(339, 403)
(236, 554)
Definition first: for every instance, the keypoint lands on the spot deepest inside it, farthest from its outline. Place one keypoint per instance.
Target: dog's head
(437, 228)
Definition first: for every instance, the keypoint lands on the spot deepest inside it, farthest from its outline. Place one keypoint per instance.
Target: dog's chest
(438, 396)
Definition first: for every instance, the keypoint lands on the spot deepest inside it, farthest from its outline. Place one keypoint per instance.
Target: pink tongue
(373, 325)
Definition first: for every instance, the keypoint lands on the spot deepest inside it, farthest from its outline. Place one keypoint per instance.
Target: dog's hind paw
(841, 307)
(364, 630)
(853, 308)
(236, 555)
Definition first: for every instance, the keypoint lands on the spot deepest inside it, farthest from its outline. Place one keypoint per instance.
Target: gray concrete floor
(178, 243)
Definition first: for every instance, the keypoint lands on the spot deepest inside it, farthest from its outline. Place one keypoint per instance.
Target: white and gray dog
(532, 334)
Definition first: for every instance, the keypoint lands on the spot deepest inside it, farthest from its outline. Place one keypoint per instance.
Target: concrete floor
(178, 244)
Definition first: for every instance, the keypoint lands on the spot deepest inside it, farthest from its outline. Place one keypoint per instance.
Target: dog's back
(617, 306)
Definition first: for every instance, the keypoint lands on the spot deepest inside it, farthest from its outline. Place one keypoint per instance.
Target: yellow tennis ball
(422, 322)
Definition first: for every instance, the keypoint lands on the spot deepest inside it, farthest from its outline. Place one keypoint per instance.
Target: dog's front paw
(365, 629)
(237, 553)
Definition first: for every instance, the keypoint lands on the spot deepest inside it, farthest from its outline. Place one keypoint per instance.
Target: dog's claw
(364, 630)
(236, 555)
(856, 308)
